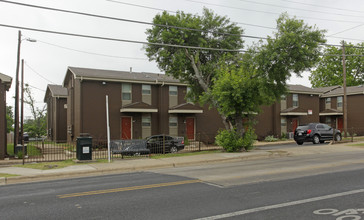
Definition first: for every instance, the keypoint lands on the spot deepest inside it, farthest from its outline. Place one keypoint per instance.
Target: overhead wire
(268, 12)
(119, 40)
(300, 9)
(40, 75)
(124, 20)
(322, 6)
(91, 53)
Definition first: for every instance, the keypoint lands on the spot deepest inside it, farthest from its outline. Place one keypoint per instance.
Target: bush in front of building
(231, 141)
(249, 139)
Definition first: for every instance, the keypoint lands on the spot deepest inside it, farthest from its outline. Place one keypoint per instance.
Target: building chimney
(131, 69)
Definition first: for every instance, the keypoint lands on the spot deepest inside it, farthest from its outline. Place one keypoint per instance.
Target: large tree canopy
(329, 71)
(234, 83)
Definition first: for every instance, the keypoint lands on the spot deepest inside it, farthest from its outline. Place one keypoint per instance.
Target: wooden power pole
(345, 103)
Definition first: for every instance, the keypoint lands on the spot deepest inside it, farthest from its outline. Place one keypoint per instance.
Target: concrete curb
(132, 168)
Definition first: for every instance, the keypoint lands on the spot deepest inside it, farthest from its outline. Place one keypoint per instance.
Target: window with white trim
(126, 91)
(295, 100)
(146, 89)
(339, 102)
(173, 90)
(146, 120)
(173, 121)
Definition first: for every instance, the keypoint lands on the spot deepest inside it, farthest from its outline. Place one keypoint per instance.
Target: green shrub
(270, 138)
(249, 139)
(186, 141)
(230, 140)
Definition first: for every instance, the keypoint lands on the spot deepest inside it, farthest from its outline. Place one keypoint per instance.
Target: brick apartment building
(144, 104)
(56, 99)
(5, 83)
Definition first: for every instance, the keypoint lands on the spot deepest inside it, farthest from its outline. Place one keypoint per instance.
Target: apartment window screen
(126, 91)
(339, 101)
(328, 100)
(328, 120)
(283, 122)
(295, 100)
(146, 89)
(172, 90)
(173, 121)
(146, 121)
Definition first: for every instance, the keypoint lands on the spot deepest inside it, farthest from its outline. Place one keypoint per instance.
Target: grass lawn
(56, 164)
(31, 149)
(7, 175)
(357, 145)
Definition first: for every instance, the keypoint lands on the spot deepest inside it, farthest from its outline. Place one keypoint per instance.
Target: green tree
(193, 66)
(235, 84)
(37, 125)
(329, 71)
(9, 119)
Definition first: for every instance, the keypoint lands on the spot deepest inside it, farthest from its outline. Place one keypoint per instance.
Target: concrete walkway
(140, 164)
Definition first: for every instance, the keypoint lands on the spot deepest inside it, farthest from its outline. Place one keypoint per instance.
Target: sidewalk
(141, 164)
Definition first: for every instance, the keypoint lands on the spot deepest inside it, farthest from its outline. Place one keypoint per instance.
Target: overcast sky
(48, 58)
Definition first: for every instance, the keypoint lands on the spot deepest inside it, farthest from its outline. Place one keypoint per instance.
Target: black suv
(316, 133)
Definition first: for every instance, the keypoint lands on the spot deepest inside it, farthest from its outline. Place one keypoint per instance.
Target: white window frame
(146, 120)
(295, 101)
(125, 90)
(173, 123)
(174, 91)
(146, 89)
(341, 102)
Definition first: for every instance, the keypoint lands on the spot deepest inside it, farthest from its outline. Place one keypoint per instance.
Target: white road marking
(293, 203)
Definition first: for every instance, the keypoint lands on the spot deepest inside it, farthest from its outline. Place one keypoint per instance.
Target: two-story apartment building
(144, 104)
(56, 99)
(5, 83)
(331, 108)
(140, 105)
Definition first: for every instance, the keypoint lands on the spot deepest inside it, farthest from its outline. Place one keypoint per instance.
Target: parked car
(129, 147)
(316, 133)
(157, 143)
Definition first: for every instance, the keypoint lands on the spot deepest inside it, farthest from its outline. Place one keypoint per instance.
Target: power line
(125, 20)
(346, 30)
(119, 40)
(301, 9)
(141, 6)
(91, 53)
(38, 73)
(159, 9)
(268, 12)
(35, 87)
(322, 6)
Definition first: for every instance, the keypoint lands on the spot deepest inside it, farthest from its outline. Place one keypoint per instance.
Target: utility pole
(16, 106)
(345, 112)
(22, 110)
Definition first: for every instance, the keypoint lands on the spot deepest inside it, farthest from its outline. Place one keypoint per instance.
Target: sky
(47, 59)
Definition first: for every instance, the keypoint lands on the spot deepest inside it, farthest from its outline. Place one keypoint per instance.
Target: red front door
(340, 124)
(125, 128)
(190, 128)
(294, 124)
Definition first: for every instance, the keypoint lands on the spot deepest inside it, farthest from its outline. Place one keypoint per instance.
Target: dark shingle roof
(99, 74)
(301, 89)
(57, 90)
(6, 79)
(350, 90)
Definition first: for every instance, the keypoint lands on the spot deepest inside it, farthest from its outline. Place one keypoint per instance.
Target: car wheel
(337, 137)
(316, 139)
(174, 149)
(299, 142)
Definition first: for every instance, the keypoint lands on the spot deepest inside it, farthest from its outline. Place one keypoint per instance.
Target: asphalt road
(310, 187)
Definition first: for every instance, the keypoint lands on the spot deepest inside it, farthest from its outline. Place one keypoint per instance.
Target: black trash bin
(84, 148)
